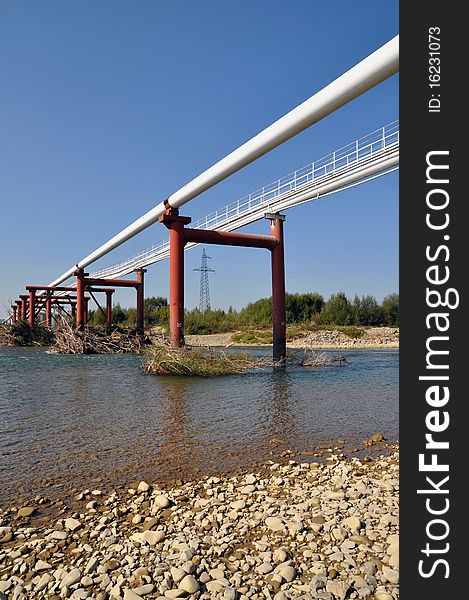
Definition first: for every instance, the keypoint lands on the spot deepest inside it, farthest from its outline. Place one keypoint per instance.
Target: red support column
(32, 307)
(109, 311)
(80, 312)
(48, 311)
(14, 308)
(85, 311)
(140, 325)
(175, 225)
(24, 308)
(278, 291)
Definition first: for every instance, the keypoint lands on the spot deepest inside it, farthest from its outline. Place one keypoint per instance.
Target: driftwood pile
(70, 341)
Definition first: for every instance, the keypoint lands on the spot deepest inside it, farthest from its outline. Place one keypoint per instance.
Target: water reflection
(74, 418)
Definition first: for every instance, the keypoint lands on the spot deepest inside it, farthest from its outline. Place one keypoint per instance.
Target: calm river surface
(98, 420)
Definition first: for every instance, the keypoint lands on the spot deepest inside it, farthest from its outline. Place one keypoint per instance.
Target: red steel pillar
(278, 290)
(19, 307)
(24, 308)
(140, 325)
(14, 308)
(32, 307)
(108, 311)
(80, 312)
(85, 311)
(48, 311)
(175, 225)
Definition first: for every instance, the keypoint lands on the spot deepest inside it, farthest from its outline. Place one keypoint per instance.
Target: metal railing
(346, 158)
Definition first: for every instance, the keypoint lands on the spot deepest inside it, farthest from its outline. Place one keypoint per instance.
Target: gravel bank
(374, 337)
(301, 530)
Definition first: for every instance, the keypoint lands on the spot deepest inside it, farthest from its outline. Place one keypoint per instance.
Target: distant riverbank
(371, 337)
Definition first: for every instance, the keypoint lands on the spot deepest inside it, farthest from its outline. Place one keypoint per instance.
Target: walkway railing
(252, 207)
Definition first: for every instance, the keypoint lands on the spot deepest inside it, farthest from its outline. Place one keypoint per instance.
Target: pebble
(325, 532)
(189, 584)
(143, 590)
(287, 573)
(390, 574)
(72, 524)
(71, 578)
(161, 501)
(153, 537)
(41, 565)
(131, 595)
(43, 582)
(275, 524)
(26, 511)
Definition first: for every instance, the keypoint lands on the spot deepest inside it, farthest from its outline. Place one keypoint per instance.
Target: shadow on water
(78, 420)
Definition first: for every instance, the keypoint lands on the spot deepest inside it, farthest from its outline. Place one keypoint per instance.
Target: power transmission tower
(204, 301)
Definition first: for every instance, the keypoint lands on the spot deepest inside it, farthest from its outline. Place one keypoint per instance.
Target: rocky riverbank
(373, 337)
(300, 530)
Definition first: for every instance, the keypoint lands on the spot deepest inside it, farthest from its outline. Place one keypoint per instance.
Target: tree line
(308, 308)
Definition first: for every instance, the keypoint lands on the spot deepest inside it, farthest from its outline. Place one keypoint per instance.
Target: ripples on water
(75, 418)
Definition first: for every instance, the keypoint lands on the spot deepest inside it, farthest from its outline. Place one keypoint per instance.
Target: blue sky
(108, 107)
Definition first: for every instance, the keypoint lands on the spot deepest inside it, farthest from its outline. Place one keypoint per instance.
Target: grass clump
(201, 362)
(254, 337)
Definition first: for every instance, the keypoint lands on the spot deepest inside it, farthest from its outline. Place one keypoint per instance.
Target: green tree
(390, 307)
(337, 311)
(367, 311)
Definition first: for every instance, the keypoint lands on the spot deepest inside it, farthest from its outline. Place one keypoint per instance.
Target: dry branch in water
(70, 341)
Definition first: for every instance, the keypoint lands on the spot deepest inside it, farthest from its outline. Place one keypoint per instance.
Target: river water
(96, 421)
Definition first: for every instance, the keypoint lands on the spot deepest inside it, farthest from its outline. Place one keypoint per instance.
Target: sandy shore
(374, 337)
(298, 530)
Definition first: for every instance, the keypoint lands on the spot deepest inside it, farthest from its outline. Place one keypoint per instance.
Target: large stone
(337, 588)
(143, 590)
(26, 511)
(72, 524)
(161, 501)
(248, 489)
(71, 578)
(393, 549)
(59, 535)
(280, 555)
(175, 593)
(41, 565)
(217, 573)
(143, 486)
(275, 523)
(43, 582)
(230, 593)
(153, 537)
(287, 573)
(177, 574)
(131, 595)
(390, 575)
(352, 523)
(238, 504)
(265, 568)
(189, 584)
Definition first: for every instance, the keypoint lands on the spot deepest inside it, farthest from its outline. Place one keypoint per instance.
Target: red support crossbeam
(229, 238)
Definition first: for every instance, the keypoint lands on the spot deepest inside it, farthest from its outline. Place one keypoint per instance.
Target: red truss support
(179, 235)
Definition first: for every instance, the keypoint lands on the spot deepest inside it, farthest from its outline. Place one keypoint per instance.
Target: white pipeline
(368, 73)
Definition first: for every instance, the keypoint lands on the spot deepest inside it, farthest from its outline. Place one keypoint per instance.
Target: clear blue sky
(108, 107)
